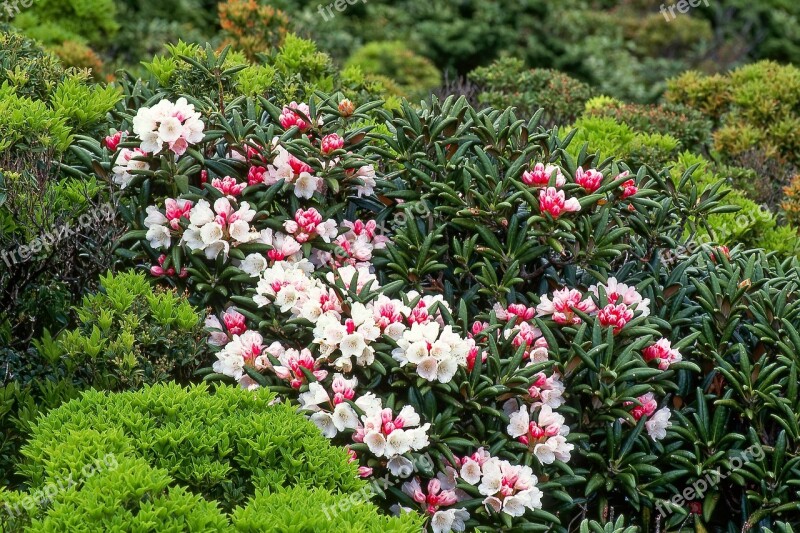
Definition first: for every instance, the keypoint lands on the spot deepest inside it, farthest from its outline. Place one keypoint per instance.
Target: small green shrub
(508, 83)
(157, 460)
(223, 446)
(129, 335)
(687, 125)
(607, 136)
(31, 71)
(130, 495)
(280, 511)
(415, 75)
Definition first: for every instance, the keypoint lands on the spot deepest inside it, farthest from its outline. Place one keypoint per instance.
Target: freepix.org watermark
(700, 487)
(378, 486)
(682, 6)
(50, 490)
(45, 241)
(340, 5)
(12, 8)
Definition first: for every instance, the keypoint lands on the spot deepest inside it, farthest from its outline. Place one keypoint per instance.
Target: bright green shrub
(223, 445)
(508, 83)
(83, 105)
(415, 75)
(280, 511)
(299, 62)
(607, 136)
(130, 495)
(129, 335)
(686, 124)
(29, 126)
(31, 71)
(158, 459)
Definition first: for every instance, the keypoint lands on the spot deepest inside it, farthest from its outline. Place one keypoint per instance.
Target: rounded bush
(508, 83)
(415, 75)
(223, 446)
(172, 459)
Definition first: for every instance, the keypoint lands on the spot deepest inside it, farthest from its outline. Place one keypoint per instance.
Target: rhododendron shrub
(483, 320)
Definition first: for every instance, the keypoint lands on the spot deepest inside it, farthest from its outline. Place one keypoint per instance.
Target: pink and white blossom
(168, 125)
(554, 202)
(662, 353)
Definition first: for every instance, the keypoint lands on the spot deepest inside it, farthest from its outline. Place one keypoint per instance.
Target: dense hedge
(167, 458)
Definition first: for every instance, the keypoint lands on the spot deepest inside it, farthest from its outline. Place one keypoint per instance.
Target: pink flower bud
(331, 142)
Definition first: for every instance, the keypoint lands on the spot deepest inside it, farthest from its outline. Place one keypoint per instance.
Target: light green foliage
(222, 445)
(255, 79)
(83, 105)
(130, 495)
(130, 335)
(613, 139)
(29, 125)
(281, 510)
(298, 56)
(167, 458)
(415, 75)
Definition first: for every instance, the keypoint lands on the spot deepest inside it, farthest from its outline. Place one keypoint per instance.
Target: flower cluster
(545, 436)
(623, 303)
(296, 115)
(507, 488)
(662, 353)
(166, 124)
(436, 352)
(658, 420)
(388, 435)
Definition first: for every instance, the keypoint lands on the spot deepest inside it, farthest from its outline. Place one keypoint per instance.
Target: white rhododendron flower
(335, 414)
(658, 423)
(436, 353)
(507, 488)
(243, 350)
(127, 161)
(166, 124)
(387, 435)
(545, 435)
